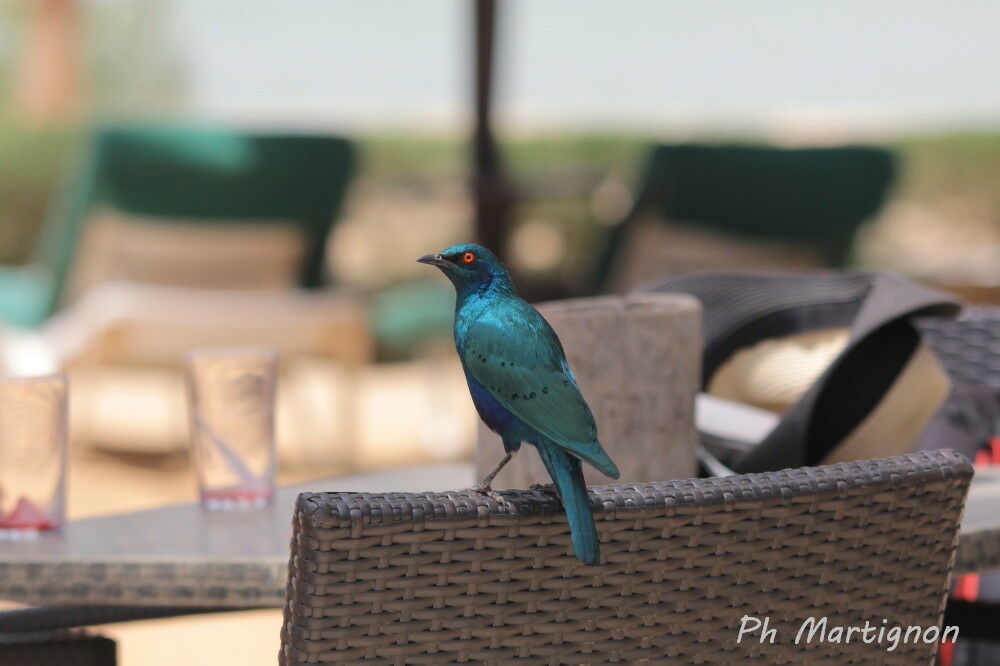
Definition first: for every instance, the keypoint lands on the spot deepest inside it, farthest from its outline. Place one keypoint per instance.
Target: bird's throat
(490, 286)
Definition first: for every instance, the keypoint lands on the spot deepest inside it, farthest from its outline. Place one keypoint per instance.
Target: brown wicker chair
(440, 578)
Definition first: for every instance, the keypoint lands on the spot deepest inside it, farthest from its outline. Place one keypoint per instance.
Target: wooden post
(637, 360)
(48, 84)
(492, 191)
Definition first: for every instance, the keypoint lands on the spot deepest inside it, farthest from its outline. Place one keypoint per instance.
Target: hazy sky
(572, 63)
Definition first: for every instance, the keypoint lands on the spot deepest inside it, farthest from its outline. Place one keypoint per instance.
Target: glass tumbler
(231, 396)
(33, 420)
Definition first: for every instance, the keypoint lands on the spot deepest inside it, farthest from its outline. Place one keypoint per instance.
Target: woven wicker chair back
(444, 578)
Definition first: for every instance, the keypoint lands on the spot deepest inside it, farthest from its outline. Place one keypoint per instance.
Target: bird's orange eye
(468, 258)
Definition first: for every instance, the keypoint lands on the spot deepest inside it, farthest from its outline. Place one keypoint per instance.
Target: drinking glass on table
(33, 420)
(231, 408)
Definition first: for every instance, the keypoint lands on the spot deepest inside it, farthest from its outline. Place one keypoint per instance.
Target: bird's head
(468, 266)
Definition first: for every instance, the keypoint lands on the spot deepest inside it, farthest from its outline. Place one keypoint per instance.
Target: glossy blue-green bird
(521, 384)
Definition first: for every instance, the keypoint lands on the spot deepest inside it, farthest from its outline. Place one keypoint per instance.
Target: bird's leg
(484, 486)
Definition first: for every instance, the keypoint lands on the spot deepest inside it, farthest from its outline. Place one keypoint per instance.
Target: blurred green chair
(410, 317)
(185, 173)
(811, 197)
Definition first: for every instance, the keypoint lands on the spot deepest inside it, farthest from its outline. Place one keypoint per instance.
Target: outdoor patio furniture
(969, 346)
(453, 577)
(182, 555)
(185, 175)
(880, 374)
(808, 198)
(173, 237)
(969, 349)
(181, 560)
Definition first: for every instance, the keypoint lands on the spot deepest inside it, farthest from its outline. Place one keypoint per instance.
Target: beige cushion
(127, 323)
(775, 372)
(653, 249)
(232, 255)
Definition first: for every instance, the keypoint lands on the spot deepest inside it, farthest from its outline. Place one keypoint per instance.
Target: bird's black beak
(433, 260)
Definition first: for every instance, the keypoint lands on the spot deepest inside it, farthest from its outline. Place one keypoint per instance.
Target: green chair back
(206, 175)
(812, 196)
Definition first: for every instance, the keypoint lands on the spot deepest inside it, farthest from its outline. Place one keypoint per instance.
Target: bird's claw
(486, 491)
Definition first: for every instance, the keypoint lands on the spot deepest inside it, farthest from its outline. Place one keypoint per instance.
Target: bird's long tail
(567, 474)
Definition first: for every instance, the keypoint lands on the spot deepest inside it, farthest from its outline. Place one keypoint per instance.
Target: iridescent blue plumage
(521, 384)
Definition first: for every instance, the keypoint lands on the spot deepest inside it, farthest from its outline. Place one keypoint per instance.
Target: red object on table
(26, 516)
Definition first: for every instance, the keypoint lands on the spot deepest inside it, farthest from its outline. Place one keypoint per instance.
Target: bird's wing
(519, 360)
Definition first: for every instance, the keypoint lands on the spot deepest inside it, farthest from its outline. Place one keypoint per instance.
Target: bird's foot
(487, 491)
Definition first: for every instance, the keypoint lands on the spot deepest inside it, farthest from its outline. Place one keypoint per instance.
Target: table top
(183, 556)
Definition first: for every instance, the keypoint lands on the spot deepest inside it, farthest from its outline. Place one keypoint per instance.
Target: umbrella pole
(491, 189)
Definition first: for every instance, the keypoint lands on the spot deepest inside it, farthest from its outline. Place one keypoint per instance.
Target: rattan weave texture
(442, 578)
(968, 347)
